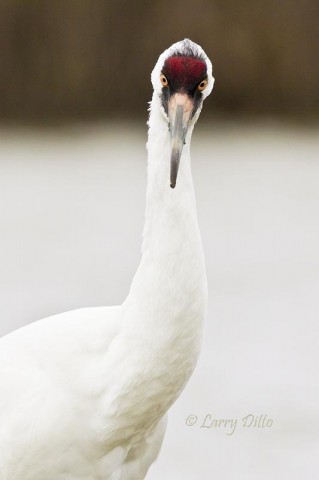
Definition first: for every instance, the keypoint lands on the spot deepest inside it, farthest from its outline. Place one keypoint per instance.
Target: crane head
(182, 78)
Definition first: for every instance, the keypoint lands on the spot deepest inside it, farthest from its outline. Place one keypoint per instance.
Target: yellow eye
(202, 85)
(163, 80)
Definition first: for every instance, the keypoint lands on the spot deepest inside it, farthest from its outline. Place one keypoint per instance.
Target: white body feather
(83, 394)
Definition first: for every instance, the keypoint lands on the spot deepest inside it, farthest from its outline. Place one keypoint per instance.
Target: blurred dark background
(91, 59)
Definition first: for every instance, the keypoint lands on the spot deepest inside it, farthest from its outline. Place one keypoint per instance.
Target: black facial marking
(166, 95)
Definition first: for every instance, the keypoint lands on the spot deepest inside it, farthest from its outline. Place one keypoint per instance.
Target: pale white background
(71, 217)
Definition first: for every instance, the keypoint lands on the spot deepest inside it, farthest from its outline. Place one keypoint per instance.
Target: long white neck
(164, 311)
(169, 288)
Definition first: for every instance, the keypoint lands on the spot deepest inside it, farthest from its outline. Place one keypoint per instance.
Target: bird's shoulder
(61, 336)
(46, 365)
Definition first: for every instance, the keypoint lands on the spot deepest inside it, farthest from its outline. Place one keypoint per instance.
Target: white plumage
(83, 394)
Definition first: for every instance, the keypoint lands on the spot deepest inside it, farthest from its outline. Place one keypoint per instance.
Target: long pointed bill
(179, 111)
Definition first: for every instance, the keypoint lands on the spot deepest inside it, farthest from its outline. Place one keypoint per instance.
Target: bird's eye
(202, 85)
(164, 80)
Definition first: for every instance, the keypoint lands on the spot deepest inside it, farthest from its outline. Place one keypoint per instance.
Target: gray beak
(179, 110)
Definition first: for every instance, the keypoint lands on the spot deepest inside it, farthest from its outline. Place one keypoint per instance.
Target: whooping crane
(84, 394)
